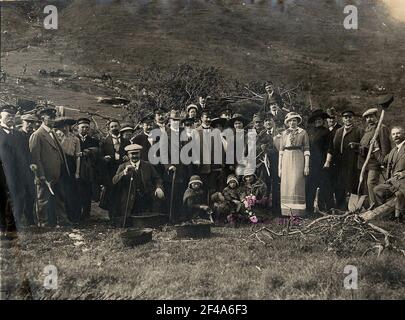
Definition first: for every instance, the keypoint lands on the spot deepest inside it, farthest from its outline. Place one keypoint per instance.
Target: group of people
(52, 171)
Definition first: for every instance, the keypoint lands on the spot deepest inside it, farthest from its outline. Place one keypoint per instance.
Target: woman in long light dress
(293, 166)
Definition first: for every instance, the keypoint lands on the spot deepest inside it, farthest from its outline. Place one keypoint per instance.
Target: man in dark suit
(210, 146)
(89, 148)
(51, 165)
(15, 161)
(395, 185)
(139, 187)
(144, 139)
(333, 124)
(342, 154)
(112, 153)
(27, 129)
(331, 173)
(175, 166)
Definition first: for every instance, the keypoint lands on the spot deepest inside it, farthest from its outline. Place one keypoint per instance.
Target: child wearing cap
(229, 201)
(194, 199)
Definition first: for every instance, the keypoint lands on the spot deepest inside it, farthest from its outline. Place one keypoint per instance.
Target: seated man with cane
(395, 185)
(140, 187)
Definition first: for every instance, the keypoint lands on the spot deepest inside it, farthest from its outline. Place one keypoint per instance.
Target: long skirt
(293, 183)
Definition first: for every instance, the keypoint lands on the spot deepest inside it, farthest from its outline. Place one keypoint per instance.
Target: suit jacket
(346, 162)
(110, 166)
(209, 167)
(150, 181)
(396, 163)
(89, 162)
(15, 159)
(47, 155)
(384, 145)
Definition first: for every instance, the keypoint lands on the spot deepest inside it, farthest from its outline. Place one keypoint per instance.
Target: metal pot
(200, 230)
(149, 220)
(133, 237)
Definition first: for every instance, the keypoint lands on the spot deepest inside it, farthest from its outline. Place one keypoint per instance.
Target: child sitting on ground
(253, 186)
(228, 202)
(194, 200)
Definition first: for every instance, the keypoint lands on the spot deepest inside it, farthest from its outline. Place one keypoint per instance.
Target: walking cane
(34, 169)
(129, 195)
(171, 196)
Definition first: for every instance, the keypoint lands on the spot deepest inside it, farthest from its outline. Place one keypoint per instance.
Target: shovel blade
(356, 202)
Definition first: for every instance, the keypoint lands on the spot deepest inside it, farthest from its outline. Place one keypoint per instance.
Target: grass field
(228, 265)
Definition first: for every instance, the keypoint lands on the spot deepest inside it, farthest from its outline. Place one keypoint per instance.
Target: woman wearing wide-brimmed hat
(319, 140)
(293, 166)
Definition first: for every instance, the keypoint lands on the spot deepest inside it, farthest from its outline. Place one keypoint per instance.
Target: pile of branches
(342, 234)
(155, 86)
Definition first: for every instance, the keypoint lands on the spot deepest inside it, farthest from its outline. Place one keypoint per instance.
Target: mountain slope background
(288, 42)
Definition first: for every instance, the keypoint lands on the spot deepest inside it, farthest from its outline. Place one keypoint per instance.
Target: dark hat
(257, 117)
(175, 115)
(29, 118)
(188, 120)
(348, 112)
(268, 117)
(318, 113)
(25, 105)
(218, 121)
(225, 109)
(83, 120)
(8, 108)
(238, 117)
(63, 121)
(47, 111)
(126, 126)
(148, 118)
(331, 113)
(160, 110)
(206, 111)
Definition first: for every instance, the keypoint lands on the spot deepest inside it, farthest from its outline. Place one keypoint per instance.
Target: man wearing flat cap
(139, 187)
(343, 156)
(127, 130)
(15, 160)
(51, 167)
(28, 126)
(380, 148)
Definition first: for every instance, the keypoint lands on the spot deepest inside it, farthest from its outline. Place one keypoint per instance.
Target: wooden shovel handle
(370, 150)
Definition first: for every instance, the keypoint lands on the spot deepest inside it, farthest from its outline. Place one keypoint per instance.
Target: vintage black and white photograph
(202, 150)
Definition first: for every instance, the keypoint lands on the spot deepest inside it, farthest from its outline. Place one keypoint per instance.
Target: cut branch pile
(342, 234)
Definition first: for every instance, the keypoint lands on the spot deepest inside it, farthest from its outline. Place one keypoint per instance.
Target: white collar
(136, 164)
(400, 145)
